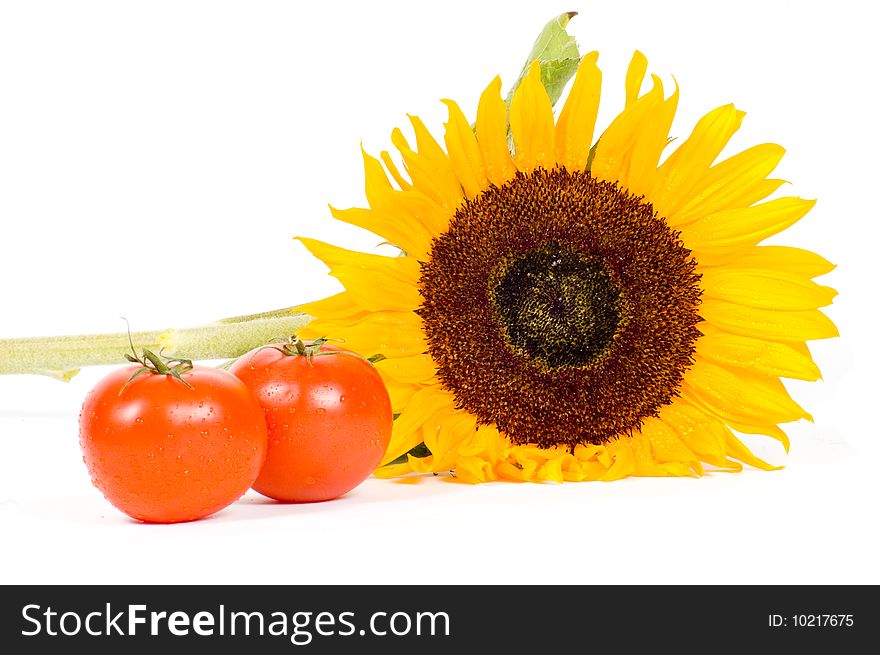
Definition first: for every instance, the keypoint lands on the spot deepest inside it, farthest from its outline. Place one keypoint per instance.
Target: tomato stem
(62, 356)
(157, 365)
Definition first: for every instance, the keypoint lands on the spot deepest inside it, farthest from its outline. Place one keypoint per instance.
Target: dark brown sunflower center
(558, 306)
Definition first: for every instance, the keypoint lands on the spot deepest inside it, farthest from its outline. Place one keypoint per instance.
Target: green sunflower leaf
(419, 451)
(558, 54)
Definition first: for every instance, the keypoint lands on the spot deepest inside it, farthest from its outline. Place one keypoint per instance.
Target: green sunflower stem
(61, 357)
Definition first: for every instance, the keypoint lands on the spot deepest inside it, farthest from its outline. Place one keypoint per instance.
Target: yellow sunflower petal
(691, 160)
(574, 129)
(416, 204)
(444, 435)
(408, 205)
(779, 258)
(624, 461)
(588, 463)
(398, 229)
(393, 470)
(628, 151)
(402, 182)
(474, 470)
(541, 464)
(509, 471)
(464, 151)
(531, 123)
(401, 393)
(375, 282)
(744, 226)
(741, 396)
(393, 334)
(701, 433)
(738, 449)
(415, 368)
(429, 168)
(643, 458)
(666, 446)
(710, 437)
(767, 324)
(406, 433)
(421, 464)
(375, 180)
(341, 305)
(765, 289)
(635, 75)
(738, 181)
(654, 139)
(492, 135)
(441, 167)
(768, 357)
(764, 429)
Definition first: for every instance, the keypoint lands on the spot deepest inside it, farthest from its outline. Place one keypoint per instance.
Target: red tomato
(329, 420)
(164, 452)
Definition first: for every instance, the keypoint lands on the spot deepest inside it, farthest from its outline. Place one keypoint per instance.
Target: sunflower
(564, 310)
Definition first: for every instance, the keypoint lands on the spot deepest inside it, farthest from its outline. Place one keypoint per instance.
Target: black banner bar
(428, 619)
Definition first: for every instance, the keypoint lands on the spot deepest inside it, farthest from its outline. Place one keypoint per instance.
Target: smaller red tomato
(328, 414)
(165, 450)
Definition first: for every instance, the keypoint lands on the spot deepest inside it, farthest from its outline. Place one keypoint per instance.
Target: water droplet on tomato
(320, 410)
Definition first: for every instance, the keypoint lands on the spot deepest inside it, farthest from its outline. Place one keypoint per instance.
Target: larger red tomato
(165, 450)
(329, 419)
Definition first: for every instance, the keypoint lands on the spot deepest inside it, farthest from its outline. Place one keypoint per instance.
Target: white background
(156, 159)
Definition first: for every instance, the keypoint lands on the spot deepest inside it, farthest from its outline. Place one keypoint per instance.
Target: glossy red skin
(164, 453)
(329, 420)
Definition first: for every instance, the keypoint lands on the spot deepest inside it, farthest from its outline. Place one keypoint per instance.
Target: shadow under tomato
(265, 500)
